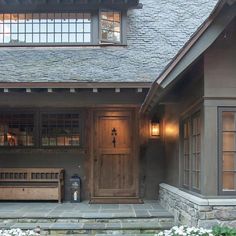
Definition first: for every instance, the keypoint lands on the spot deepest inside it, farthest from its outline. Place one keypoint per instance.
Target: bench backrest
(31, 174)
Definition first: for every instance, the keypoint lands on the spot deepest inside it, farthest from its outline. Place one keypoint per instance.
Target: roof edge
(146, 107)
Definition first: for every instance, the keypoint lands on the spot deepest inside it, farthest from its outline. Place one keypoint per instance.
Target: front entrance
(115, 175)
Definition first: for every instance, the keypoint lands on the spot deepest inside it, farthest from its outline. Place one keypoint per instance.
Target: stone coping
(198, 200)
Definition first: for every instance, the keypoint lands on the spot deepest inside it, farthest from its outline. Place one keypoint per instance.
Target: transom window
(45, 28)
(191, 149)
(228, 150)
(40, 129)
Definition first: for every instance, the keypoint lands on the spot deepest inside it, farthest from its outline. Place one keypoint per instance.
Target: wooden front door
(114, 159)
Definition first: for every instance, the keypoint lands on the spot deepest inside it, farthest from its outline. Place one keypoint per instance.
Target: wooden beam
(83, 85)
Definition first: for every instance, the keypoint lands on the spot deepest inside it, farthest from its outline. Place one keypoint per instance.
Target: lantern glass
(155, 129)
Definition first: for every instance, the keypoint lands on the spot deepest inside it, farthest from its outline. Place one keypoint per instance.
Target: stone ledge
(197, 200)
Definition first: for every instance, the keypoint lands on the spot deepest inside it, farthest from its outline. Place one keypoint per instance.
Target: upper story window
(84, 28)
(110, 26)
(45, 28)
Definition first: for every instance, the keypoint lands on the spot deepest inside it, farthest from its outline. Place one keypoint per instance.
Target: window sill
(80, 150)
(62, 45)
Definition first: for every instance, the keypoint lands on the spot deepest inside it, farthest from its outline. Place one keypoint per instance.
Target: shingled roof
(155, 34)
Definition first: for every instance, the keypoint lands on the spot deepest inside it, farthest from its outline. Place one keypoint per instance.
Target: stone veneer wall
(195, 211)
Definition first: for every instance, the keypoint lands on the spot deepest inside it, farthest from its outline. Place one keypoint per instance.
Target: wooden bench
(32, 184)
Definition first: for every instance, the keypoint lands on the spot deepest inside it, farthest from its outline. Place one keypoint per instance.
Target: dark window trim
(95, 31)
(111, 42)
(220, 151)
(37, 131)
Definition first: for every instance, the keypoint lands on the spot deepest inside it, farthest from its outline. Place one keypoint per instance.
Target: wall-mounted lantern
(155, 128)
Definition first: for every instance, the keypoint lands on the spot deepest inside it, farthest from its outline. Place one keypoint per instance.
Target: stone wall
(195, 211)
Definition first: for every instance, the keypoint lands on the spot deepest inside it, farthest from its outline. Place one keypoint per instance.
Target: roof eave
(184, 58)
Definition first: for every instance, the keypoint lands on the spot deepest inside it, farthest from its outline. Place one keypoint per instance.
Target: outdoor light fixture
(155, 128)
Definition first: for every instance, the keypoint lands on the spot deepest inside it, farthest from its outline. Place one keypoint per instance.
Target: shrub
(223, 231)
(186, 231)
(17, 232)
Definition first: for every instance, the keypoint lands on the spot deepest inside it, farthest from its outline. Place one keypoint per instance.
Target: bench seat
(32, 184)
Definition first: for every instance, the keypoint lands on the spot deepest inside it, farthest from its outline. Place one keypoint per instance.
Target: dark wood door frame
(135, 145)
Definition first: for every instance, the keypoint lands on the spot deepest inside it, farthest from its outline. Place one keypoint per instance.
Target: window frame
(37, 134)
(189, 118)
(220, 150)
(64, 111)
(95, 31)
(21, 111)
(101, 41)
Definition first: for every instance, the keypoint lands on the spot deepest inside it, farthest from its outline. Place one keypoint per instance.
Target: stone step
(130, 226)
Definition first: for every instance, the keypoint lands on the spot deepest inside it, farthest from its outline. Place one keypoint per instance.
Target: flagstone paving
(80, 210)
(84, 218)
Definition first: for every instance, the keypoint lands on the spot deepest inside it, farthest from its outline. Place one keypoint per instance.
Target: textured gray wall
(154, 35)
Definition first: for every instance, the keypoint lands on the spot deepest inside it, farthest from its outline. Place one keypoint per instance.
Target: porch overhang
(65, 5)
(208, 32)
(73, 86)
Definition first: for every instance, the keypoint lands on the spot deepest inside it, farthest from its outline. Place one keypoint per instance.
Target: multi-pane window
(196, 152)
(45, 28)
(110, 26)
(191, 150)
(60, 129)
(186, 152)
(40, 129)
(228, 150)
(17, 129)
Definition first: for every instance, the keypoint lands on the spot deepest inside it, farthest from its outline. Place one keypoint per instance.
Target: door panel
(114, 161)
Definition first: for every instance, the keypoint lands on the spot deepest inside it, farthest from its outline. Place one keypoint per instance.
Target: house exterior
(197, 90)
(75, 82)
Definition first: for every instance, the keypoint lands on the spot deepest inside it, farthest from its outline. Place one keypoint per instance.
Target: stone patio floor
(84, 210)
(86, 219)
